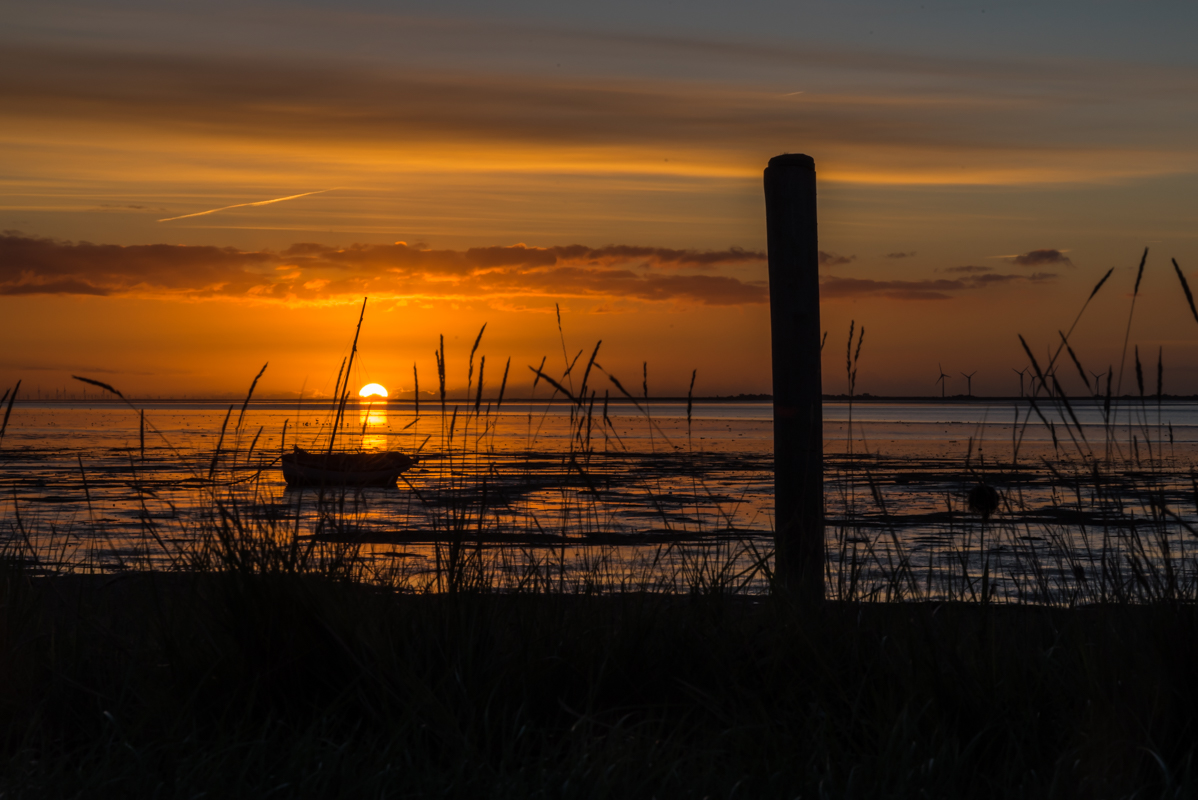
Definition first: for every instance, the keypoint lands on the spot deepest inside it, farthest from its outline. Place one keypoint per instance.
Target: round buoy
(983, 500)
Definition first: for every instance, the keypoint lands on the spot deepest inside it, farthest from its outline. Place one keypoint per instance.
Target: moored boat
(306, 468)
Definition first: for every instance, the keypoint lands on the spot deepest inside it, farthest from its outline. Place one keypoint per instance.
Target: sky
(189, 191)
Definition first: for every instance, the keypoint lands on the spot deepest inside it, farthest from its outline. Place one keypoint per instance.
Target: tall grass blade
(8, 411)
(848, 350)
(1032, 358)
(623, 391)
(690, 396)
(554, 384)
(337, 383)
(540, 371)
(101, 384)
(250, 394)
(1098, 286)
(1185, 287)
(441, 372)
(249, 453)
(348, 371)
(1082, 311)
(1051, 428)
(1139, 371)
(503, 383)
(562, 337)
(1130, 314)
(1076, 363)
(856, 360)
(1106, 402)
(478, 399)
(570, 369)
(1069, 408)
(1160, 372)
(473, 350)
(607, 421)
(219, 443)
(586, 375)
(365, 422)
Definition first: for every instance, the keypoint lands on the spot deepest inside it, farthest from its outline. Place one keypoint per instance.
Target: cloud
(894, 290)
(32, 265)
(53, 287)
(660, 256)
(715, 290)
(937, 289)
(518, 255)
(313, 272)
(901, 255)
(1039, 258)
(990, 279)
(310, 272)
(344, 110)
(833, 260)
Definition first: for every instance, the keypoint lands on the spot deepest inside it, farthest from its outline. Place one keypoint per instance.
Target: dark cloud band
(310, 271)
(939, 289)
(1042, 258)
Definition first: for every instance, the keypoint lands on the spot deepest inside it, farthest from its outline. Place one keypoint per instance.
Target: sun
(372, 390)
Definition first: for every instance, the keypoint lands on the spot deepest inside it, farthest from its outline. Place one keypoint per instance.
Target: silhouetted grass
(269, 658)
(237, 686)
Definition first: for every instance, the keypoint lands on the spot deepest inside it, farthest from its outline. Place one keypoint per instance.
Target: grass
(229, 685)
(265, 656)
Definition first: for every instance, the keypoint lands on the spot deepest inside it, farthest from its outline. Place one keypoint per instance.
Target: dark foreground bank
(255, 686)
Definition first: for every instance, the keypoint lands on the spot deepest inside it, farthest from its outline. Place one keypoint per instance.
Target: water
(652, 496)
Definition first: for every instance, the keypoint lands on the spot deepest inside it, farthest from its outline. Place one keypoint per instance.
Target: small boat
(306, 468)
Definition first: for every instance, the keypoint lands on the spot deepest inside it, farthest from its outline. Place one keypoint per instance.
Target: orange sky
(462, 169)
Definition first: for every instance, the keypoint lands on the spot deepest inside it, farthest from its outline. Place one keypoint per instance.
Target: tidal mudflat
(626, 495)
(568, 604)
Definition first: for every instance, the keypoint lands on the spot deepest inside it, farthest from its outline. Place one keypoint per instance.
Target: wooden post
(798, 413)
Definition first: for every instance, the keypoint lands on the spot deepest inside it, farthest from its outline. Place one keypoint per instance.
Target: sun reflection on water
(372, 423)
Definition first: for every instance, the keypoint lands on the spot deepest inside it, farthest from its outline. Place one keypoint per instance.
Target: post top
(793, 160)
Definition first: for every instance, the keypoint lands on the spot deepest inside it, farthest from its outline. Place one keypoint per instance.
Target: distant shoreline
(741, 398)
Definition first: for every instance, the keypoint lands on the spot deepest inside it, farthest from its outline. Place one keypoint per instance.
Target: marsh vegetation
(578, 610)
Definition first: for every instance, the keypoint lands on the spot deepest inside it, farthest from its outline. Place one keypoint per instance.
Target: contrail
(243, 205)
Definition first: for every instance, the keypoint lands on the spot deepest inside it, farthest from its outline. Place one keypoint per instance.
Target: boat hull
(303, 468)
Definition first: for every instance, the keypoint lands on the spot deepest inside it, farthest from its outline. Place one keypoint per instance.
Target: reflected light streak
(372, 421)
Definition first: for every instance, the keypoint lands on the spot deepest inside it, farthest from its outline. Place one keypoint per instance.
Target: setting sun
(372, 390)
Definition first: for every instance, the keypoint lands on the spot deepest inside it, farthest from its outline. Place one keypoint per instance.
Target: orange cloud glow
(314, 273)
(146, 156)
(357, 115)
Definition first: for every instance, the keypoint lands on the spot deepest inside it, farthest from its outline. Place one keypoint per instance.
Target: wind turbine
(1097, 382)
(941, 380)
(1020, 373)
(969, 382)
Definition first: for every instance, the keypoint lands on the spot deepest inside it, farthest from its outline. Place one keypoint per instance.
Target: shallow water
(648, 497)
